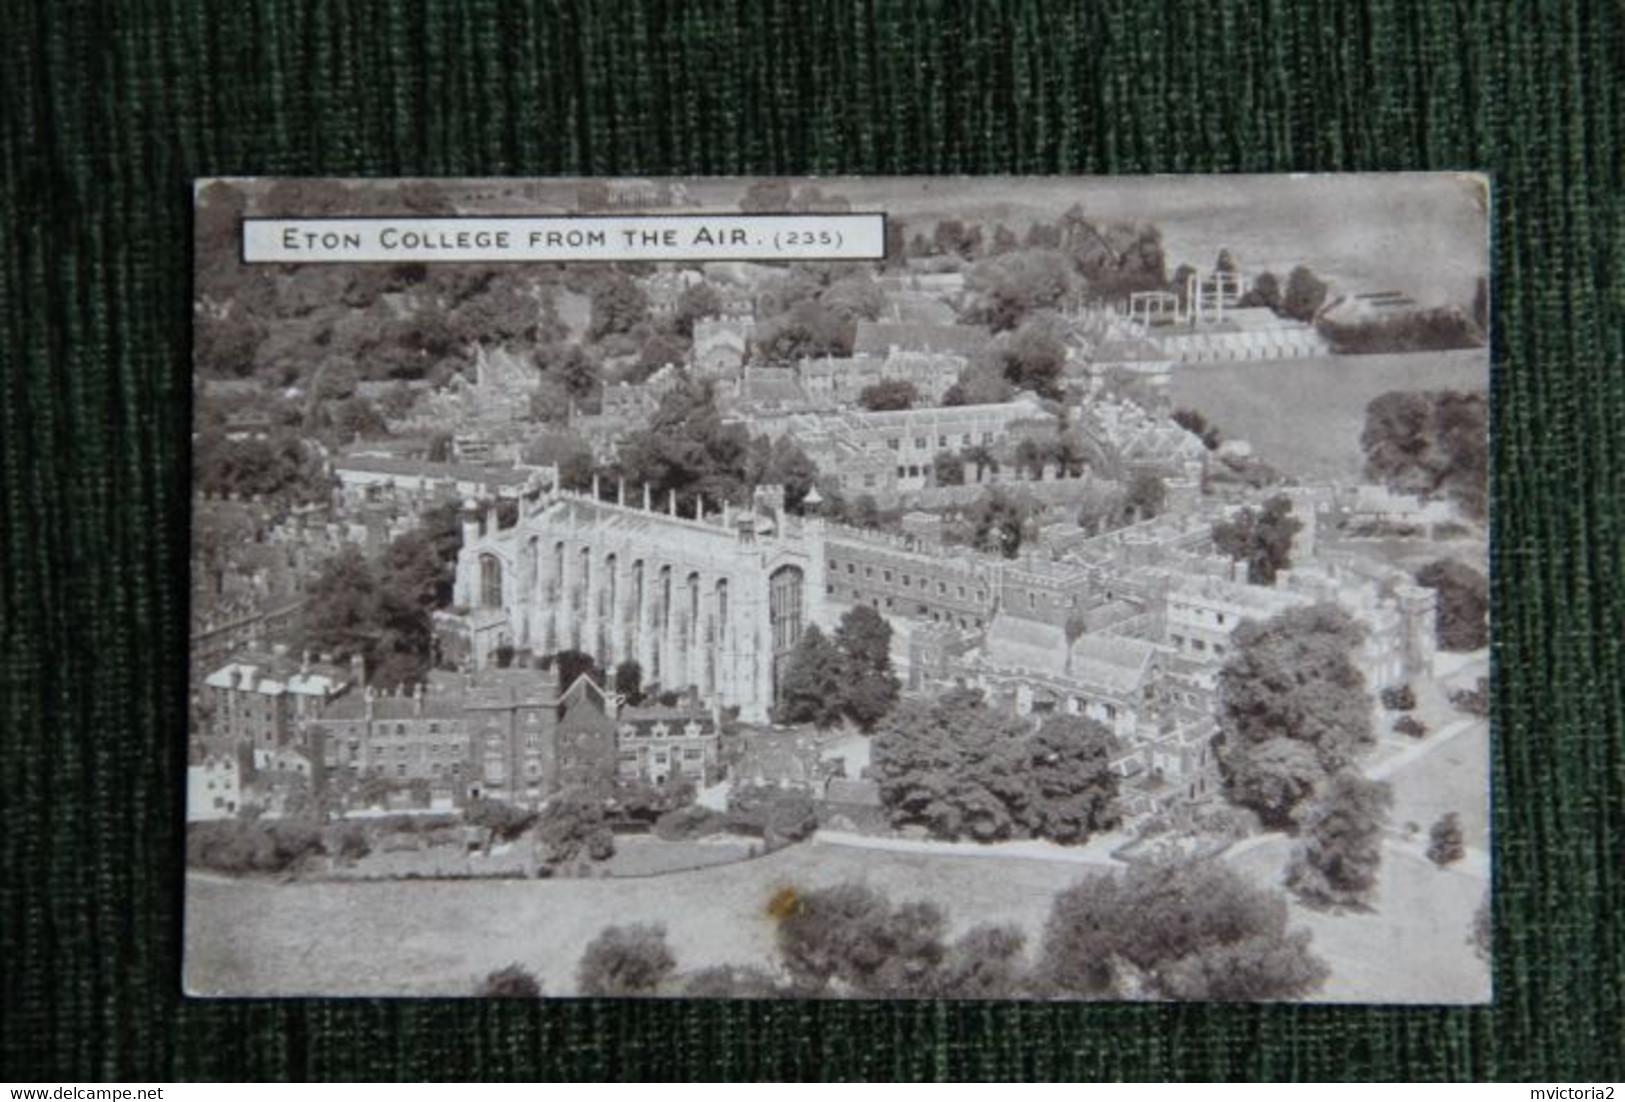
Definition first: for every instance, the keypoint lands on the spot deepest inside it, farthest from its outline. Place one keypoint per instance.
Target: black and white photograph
(1027, 588)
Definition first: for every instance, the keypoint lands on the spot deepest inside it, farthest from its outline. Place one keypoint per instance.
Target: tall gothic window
(490, 582)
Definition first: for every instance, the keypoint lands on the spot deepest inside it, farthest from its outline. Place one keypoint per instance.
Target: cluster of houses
(1129, 626)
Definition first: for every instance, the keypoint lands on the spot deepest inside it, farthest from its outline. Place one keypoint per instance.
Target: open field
(1450, 776)
(437, 938)
(1411, 947)
(1305, 416)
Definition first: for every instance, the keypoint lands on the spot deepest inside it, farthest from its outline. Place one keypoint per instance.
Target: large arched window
(490, 582)
(784, 614)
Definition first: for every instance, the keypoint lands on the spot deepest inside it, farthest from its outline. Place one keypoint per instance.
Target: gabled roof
(876, 338)
(1116, 664)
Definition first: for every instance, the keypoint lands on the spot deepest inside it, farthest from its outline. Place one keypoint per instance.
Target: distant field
(1305, 416)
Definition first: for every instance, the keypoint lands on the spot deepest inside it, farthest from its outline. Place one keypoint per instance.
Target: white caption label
(551, 239)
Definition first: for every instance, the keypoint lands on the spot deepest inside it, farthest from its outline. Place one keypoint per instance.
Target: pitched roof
(876, 338)
(1114, 663)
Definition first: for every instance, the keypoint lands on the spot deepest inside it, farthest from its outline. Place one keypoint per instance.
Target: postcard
(946, 588)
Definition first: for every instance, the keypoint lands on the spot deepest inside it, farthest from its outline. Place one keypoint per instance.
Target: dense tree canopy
(1462, 619)
(812, 687)
(1291, 679)
(511, 982)
(1175, 931)
(1336, 862)
(1304, 296)
(1431, 443)
(625, 960)
(382, 609)
(1261, 538)
(850, 940)
(962, 770)
(849, 676)
(1006, 289)
(687, 449)
(891, 394)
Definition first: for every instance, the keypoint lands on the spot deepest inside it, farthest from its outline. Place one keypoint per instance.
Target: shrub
(1175, 930)
(1474, 701)
(1398, 698)
(779, 815)
(1410, 725)
(1446, 842)
(601, 844)
(231, 845)
(625, 960)
(346, 841)
(688, 823)
(511, 982)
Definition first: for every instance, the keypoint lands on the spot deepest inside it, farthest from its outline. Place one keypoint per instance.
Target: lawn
(1451, 776)
(1304, 417)
(1411, 947)
(438, 937)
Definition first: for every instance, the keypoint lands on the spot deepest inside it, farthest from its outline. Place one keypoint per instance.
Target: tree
(1291, 678)
(629, 681)
(1430, 443)
(1336, 863)
(1006, 289)
(811, 690)
(1261, 538)
(1482, 936)
(985, 963)
(850, 940)
(1305, 295)
(1030, 457)
(572, 664)
(961, 770)
(890, 394)
(625, 960)
(511, 982)
(857, 297)
(1147, 495)
(782, 462)
(869, 688)
(808, 330)
(979, 384)
(1193, 422)
(618, 306)
(1069, 785)
(1030, 358)
(1175, 930)
(998, 522)
(687, 449)
(1265, 292)
(1461, 620)
(698, 300)
(947, 469)
(1273, 778)
(1446, 842)
(339, 614)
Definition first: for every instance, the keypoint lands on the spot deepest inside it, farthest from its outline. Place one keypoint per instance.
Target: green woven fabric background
(107, 112)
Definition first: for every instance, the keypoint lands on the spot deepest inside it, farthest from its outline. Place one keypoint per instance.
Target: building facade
(714, 604)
